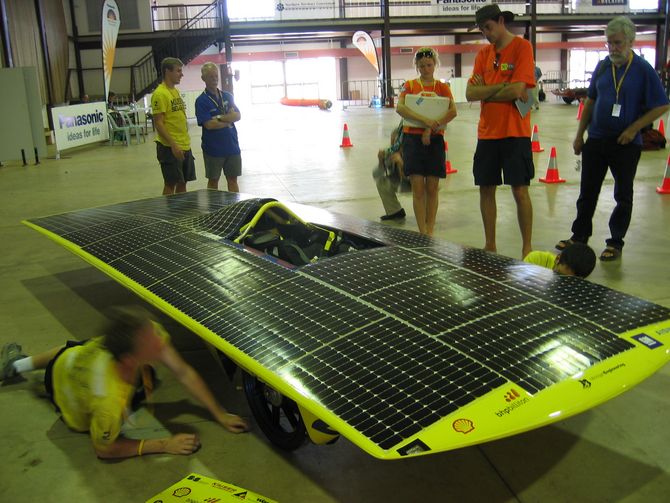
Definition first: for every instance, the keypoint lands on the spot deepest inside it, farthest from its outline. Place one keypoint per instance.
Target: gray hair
(208, 67)
(621, 24)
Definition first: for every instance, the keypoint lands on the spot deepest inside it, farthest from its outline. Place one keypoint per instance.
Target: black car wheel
(568, 100)
(277, 416)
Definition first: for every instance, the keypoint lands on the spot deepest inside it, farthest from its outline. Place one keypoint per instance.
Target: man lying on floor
(93, 382)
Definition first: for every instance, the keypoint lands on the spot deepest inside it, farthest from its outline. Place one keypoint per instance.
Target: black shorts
(423, 160)
(511, 157)
(48, 373)
(174, 170)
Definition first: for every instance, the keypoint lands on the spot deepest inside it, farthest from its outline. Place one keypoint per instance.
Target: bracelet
(140, 447)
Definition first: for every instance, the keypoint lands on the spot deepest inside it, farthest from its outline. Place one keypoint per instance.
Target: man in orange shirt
(503, 72)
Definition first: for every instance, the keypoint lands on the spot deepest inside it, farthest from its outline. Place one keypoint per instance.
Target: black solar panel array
(390, 339)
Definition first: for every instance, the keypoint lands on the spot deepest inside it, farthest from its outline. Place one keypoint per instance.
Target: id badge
(616, 110)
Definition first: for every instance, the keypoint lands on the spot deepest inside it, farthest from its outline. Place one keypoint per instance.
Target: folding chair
(117, 127)
(138, 129)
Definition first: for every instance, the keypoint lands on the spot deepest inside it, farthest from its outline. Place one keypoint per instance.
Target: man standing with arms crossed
(625, 95)
(217, 114)
(173, 145)
(503, 71)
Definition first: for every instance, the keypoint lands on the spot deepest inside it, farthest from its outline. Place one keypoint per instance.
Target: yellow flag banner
(365, 44)
(111, 21)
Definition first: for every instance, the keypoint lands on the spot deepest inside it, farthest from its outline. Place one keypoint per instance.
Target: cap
(491, 11)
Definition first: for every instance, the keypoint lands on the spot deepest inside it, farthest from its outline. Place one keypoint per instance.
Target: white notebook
(433, 107)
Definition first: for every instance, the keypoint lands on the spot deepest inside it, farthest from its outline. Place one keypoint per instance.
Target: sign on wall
(78, 125)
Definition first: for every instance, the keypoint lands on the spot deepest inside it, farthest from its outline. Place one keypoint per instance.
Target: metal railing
(173, 17)
(367, 93)
(194, 36)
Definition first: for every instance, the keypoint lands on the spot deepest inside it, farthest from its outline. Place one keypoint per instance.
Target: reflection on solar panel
(410, 347)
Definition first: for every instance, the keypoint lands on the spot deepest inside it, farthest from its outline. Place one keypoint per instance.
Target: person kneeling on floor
(389, 177)
(576, 259)
(92, 383)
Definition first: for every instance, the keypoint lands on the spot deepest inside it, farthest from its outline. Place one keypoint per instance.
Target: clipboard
(523, 106)
(432, 107)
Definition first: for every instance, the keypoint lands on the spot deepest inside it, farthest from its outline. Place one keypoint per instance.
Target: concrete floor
(617, 452)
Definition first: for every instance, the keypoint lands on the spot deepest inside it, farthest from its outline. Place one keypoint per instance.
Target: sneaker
(8, 355)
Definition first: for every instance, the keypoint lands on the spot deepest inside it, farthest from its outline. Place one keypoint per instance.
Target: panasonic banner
(78, 125)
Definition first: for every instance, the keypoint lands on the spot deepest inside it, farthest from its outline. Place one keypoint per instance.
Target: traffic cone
(580, 109)
(552, 170)
(661, 128)
(665, 186)
(535, 140)
(447, 162)
(346, 141)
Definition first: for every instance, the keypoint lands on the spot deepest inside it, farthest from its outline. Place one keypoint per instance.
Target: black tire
(568, 100)
(277, 416)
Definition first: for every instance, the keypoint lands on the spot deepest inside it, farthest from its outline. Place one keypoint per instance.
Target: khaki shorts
(230, 165)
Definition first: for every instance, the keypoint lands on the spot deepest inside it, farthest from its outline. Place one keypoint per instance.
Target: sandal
(563, 244)
(609, 254)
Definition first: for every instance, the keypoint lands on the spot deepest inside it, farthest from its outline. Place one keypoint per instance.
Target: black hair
(580, 258)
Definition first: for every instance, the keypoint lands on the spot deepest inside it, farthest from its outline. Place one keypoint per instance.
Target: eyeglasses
(424, 54)
(496, 62)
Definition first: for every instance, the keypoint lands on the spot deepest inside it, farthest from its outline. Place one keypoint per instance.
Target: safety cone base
(550, 179)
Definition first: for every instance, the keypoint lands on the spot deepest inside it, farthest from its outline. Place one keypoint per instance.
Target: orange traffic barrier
(535, 140)
(447, 162)
(552, 175)
(580, 109)
(294, 102)
(346, 141)
(665, 186)
(661, 128)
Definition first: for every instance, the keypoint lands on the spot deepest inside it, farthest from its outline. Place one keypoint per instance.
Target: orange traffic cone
(346, 141)
(661, 128)
(552, 170)
(580, 109)
(535, 140)
(447, 162)
(665, 186)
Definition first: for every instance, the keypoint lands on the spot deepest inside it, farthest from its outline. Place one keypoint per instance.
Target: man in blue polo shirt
(216, 113)
(625, 95)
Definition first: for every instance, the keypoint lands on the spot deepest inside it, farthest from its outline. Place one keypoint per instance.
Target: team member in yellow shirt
(173, 144)
(92, 383)
(576, 259)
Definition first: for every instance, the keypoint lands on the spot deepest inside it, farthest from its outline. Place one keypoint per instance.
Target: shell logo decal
(464, 426)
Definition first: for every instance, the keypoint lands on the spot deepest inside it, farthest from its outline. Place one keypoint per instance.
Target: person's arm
(584, 121)
(181, 443)
(629, 133)
(450, 115)
(510, 92)
(192, 381)
(159, 123)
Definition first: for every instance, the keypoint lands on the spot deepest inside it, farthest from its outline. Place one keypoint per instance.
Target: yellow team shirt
(169, 102)
(541, 258)
(90, 393)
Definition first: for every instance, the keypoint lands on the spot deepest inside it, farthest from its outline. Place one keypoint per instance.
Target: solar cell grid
(124, 243)
(443, 299)
(72, 222)
(395, 385)
(109, 229)
(381, 267)
(227, 221)
(533, 345)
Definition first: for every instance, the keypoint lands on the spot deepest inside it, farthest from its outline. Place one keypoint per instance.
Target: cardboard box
(197, 488)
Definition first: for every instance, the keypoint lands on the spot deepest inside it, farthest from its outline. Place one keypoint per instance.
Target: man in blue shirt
(625, 95)
(216, 113)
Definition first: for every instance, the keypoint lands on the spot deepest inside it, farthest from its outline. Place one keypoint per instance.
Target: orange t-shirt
(515, 64)
(438, 88)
